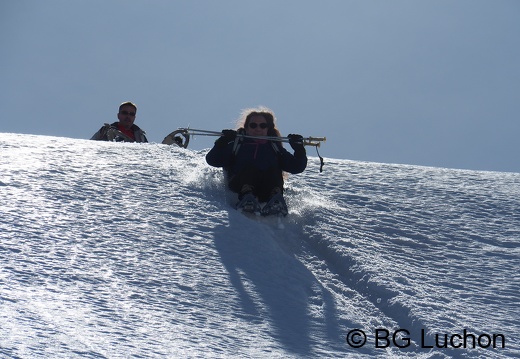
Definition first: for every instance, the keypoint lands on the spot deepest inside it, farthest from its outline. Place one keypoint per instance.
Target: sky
(432, 83)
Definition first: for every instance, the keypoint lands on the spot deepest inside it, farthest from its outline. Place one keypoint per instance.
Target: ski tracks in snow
(134, 249)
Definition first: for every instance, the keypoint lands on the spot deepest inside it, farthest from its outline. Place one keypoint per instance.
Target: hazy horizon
(407, 82)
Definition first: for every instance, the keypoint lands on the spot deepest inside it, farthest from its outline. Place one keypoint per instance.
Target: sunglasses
(126, 113)
(262, 125)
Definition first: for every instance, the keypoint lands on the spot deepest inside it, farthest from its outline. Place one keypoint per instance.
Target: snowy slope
(113, 250)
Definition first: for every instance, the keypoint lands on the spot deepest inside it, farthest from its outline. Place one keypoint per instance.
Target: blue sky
(433, 83)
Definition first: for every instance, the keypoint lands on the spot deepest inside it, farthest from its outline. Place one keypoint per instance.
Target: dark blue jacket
(261, 155)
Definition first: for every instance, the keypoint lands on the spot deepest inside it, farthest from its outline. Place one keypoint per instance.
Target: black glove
(296, 142)
(227, 137)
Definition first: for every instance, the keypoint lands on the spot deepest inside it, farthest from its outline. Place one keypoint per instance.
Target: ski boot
(248, 203)
(275, 206)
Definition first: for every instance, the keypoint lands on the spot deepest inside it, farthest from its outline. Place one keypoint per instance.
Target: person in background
(123, 130)
(254, 166)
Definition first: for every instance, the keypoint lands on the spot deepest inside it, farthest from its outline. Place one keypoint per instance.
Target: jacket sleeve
(220, 156)
(140, 136)
(293, 163)
(101, 135)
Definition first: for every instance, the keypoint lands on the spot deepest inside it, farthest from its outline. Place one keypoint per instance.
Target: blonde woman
(254, 165)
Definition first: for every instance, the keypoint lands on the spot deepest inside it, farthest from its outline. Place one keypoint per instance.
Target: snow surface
(117, 250)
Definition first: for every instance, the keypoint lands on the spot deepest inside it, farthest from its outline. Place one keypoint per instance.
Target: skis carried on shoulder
(174, 137)
(181, 138)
